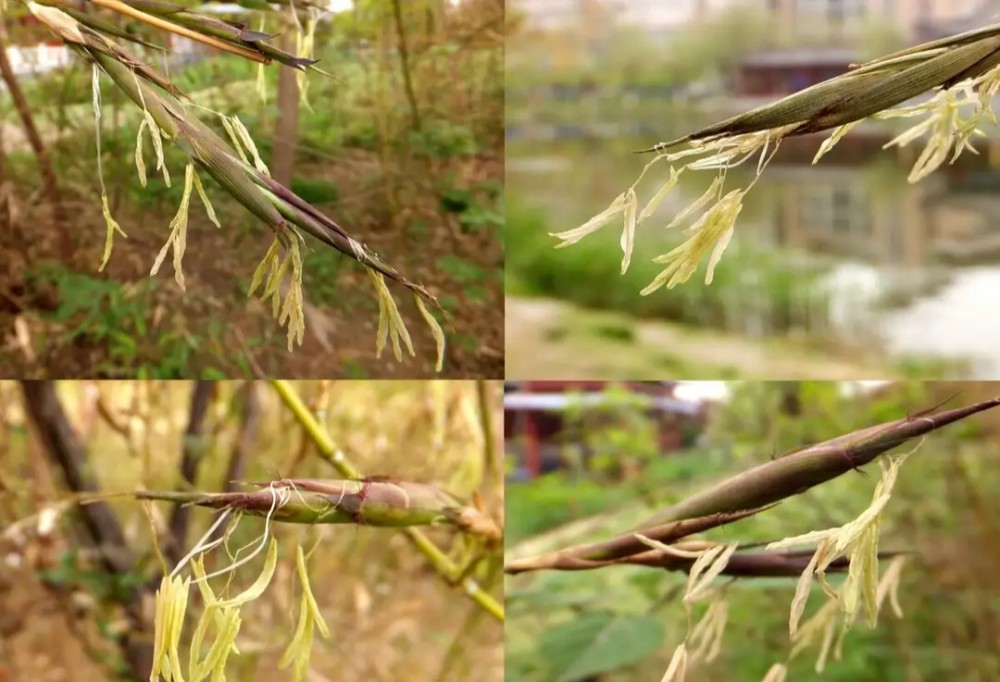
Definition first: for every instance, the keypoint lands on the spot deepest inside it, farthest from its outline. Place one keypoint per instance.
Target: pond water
(871, 261)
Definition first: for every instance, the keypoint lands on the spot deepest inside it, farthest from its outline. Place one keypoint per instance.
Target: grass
(557, 340)
(586, 276)
(100, 313)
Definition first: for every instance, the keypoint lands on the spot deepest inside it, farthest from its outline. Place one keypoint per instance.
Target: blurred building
(651, 15)
(537, 422)
(838, 209)
(849, 18)
(838, 28)
(981, 13)
(773, 73)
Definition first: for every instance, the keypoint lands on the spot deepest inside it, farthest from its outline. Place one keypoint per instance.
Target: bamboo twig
(163, 24)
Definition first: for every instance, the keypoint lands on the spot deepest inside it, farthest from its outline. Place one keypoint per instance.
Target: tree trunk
(286, 129)
(404, 65)
(193, 447)
(35, 140)
(64, 447)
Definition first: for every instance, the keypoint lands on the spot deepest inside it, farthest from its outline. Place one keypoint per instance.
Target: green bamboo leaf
(599, 642)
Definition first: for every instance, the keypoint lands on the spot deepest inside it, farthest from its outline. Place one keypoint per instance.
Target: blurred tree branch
(34, 139)
(193, 447)
(404, 65)
(245, 441)
(247, 437)
(65, 448)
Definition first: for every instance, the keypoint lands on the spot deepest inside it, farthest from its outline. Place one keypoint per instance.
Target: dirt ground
(552, 339)
(214, 312)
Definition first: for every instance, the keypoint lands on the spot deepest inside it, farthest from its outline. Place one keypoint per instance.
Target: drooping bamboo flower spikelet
(963, 71)
(297, 653)
(221, 617)
(308, 501)
(236, 167)
(859, 541)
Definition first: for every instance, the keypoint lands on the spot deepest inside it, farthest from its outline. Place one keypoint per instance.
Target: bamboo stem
(329, 451)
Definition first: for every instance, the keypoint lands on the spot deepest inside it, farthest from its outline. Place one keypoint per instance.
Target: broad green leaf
(599, 642)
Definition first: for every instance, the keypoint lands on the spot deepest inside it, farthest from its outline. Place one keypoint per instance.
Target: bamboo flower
(165, 116)
(963, 70)
(745, 495)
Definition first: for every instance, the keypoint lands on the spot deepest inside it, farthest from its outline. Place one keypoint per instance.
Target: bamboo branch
(192, 447)
(164, 25)
(45, 168)
(64, 446)
(748, 493)
(328, 450)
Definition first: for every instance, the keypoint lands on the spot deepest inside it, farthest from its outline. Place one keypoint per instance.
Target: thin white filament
(95, 84)
(199, 547)
(295, 489)
(763, 155)
(263, 540)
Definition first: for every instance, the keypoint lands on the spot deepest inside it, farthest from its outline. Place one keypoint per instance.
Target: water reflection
(911, 267)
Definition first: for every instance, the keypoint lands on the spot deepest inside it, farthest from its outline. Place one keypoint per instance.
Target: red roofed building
(537, 415)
